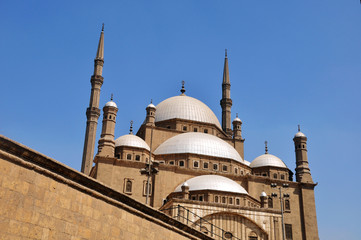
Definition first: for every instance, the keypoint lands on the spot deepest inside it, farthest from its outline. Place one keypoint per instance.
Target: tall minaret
(93, 111)
(303, 173)
(226, 102)
(106, 144)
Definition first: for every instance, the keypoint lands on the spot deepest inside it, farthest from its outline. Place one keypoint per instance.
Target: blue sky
(291, 62)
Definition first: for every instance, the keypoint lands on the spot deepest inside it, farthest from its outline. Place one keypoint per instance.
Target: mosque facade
(185, 163)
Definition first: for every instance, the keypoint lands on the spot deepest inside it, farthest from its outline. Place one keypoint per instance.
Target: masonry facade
(183, 160)
(181, 175)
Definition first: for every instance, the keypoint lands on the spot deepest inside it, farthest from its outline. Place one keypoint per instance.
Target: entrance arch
(232, 224)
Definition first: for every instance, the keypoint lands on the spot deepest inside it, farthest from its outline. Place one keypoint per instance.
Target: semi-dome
(198, 143)
(131, 140)
(267, 160)
(185, 107)
(111, 104)
(212, 182)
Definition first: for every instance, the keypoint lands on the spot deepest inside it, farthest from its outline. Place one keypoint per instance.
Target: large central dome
(198, 143)
(185, 107)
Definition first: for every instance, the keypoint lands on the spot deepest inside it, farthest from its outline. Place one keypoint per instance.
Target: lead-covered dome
(212, 182)
(267, 160)
(131, 140)
(185, 107)
(111, 104)
(198, 143)
(300, 134)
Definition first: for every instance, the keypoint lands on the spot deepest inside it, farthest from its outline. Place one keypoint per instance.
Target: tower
(237, 130)
(226, 101)
(106, 145)
(93, 111)
(303, 173)
(150, 118)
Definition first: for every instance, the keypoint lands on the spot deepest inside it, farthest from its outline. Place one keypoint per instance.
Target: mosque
(184, 162)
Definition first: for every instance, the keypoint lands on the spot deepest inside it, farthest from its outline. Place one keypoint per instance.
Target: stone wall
(41, 198)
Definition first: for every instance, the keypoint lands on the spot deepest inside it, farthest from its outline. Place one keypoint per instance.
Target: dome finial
(103, 27)
(131, 127)
(111, 97)
(151, 101)
(183, 90)
(266, 147)
(236, 115)
(225, 53)
(299, 128)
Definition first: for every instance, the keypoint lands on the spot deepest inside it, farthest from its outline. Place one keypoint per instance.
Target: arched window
(230, 200)
(237, 201)
(215, 198)
(184, 128)
(287, 204)
(205, 165)
(275, 175)
(129, 156)
(137, 157)
(215, 167)
(223, 199)
(270, 202)
(181, 163)
(128, 186)
(196, 164)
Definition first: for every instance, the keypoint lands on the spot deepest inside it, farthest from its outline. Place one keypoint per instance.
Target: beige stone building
(182, 175)
(186, 163)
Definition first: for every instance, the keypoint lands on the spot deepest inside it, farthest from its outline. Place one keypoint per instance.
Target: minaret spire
(93, 111)
(226, 102)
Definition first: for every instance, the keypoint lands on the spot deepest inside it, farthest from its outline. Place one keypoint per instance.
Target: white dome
(237, 120)
(111, 104)
(267, 160)
(131, 140)
(212, 182)
(263, 194)
(185, 107)
(151, 106)
(198, 143)
(300, 134)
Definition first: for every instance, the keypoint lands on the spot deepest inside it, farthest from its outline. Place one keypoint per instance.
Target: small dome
(212, 182)
(131, 140)
(300, 134)
(151, 106)
(263, 194)
(267, 160)
(198, 143)
(110, 104)
(187, 108)
(237, 120)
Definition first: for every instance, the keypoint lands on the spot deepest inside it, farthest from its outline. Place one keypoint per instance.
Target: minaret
(150, 118)
(303, 173)
(237, 128)
(226, 102)
(106, 145)
(93, 111)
